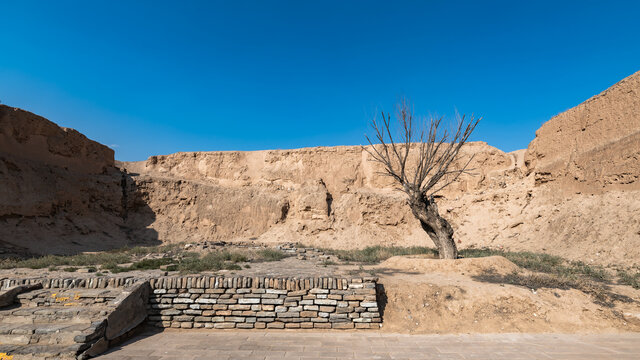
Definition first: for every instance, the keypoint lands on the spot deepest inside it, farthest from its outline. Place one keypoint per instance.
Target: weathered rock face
(574, 192)
(60, 191)
(595, 145)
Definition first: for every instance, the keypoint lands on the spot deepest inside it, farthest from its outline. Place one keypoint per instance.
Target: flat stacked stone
(262, 302)
(71, 283)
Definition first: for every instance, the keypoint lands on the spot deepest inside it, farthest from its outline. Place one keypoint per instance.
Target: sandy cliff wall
(60, 192)
(325, 196)
(594, 145)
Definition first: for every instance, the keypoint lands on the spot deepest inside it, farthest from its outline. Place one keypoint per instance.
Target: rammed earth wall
(259, 303)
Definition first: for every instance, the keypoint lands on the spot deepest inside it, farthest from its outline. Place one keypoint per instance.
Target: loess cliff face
(333, 197)
(574, 192)
(60, 192)
(593, 146)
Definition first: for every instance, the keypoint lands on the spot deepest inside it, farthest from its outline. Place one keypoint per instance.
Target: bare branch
(435, 151)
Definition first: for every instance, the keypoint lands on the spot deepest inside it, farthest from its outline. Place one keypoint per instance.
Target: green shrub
(376, 254)
(269, 255)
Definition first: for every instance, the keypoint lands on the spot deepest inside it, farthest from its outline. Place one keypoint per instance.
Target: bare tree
(425, 160)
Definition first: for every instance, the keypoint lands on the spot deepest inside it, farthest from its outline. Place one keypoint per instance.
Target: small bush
(630, 279)
(150, 264)
(269, 255)
(376, 254)
(50, 261)
(544, 263)
(214, 261)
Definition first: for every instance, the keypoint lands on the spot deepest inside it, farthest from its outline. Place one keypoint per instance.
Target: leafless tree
(425, 160)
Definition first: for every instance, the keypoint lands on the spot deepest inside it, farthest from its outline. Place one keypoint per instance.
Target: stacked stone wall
(70, 283)
(259, 303)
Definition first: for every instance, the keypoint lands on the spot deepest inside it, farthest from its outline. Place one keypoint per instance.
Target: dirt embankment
(433, 296)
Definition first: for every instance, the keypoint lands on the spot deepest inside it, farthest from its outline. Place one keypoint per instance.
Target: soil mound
(471, 267)
(462, 296)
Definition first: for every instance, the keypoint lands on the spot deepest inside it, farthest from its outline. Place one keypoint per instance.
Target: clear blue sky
(157, 77)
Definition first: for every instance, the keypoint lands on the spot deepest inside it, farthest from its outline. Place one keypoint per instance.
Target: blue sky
(157, 77)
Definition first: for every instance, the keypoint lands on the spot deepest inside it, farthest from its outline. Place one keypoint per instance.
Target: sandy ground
(439, 297)
(423, 295)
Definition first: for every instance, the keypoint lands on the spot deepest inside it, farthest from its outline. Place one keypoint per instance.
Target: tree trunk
(438, 229)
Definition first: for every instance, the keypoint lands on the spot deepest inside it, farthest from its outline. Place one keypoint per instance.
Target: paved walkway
(286, 345)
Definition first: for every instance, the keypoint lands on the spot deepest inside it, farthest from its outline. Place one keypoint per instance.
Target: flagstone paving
(308, 345)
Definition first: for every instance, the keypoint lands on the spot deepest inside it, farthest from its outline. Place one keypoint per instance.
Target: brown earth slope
(456, 296)
(574, 192)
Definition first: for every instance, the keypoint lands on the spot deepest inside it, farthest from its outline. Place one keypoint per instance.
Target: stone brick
(369, 315)
(227, 301)
(346, 310)
(342, 325)
(275, 325)
(308, 314)
(170, 312)
(183, 318)
(235, 319)
(206, 301)
(362, 320)
(325, 302)
(275, 291)
(244, 326)
(224, 325)
(288, 314)
(266, 314)
(318, 291)
(297, 293)
(248, 301)
(273, 301)
(260, 325)
(182, 301)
